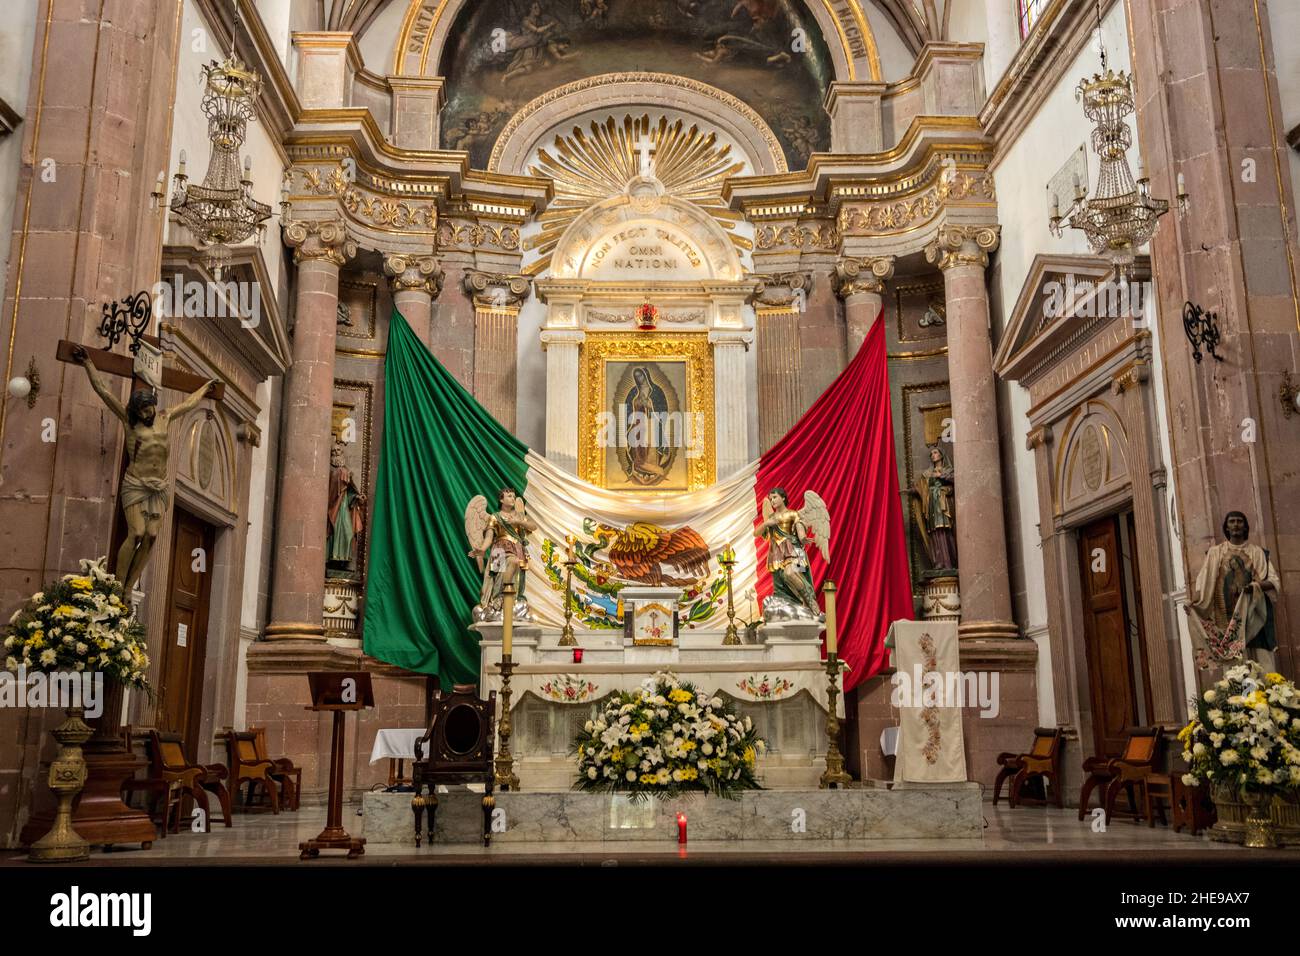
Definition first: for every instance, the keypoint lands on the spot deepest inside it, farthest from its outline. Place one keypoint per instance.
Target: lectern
(337, 691)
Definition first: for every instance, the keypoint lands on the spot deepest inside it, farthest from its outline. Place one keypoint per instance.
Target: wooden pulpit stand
(339, 692)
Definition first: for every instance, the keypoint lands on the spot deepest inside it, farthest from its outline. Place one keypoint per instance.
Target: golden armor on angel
(787, 534)
(499, 542)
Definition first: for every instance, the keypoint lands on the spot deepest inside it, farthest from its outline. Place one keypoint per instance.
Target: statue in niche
(934, 512)
(346, 516)
(144, 493)
(787, 533)
(498, 541)
(1230, 611)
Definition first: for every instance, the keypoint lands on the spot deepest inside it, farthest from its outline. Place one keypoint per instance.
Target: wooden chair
(1192, 806)
(160, 791)
(168, 761)
(247, 768)
(1043, 762)
(285, 771)
(459, 743)
(1125, 772)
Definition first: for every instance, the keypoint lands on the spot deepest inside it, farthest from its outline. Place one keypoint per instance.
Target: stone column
(778, 300)
(415, 282)
(730, 401)
(497, 298)
(1208, 106)
(562, 347)
(961, 252)
(298, 589)
(861, 283)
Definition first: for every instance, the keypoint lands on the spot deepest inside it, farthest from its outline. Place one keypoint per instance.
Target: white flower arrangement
(79, 622)
(667, 738)
(1250, 738)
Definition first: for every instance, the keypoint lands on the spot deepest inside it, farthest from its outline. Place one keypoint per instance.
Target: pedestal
(780, 632)
(98, 814)
(941, 598)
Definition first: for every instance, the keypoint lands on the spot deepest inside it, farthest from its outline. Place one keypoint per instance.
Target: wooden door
(1106, 635)
(180, 691)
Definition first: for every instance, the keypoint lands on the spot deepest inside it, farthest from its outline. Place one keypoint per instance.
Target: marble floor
(1024, 835)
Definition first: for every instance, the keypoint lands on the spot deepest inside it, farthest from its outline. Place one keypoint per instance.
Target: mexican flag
(441, 448)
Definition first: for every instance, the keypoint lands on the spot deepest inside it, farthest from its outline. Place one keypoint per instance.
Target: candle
(1056, 206)
(829, 590)
(577, 655)
(570, 553)
(728, 555)
(507, 618)
(1142, 169)
(681, 828)
(181, 171)
(1182, 185)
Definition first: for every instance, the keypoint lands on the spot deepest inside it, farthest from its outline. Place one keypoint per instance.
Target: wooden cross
(115, 363)
(645, 146)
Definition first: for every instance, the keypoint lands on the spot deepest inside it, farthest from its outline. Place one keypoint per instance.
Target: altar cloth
(395, 744)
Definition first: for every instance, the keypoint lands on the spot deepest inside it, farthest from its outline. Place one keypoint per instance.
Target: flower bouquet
(666, 739)
(79, 623)
(1244, 742)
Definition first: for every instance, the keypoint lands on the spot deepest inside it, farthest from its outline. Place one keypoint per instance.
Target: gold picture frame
(692, 349)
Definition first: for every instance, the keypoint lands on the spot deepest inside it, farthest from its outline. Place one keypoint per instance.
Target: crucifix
(143, 493)
(644, 147)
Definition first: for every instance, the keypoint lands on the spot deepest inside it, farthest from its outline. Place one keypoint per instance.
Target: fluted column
(562, 396)
(415, 282)
(730, 402)
(497, 299)
(778, 300)
(961, 252)
(298, 588)
(861, 284)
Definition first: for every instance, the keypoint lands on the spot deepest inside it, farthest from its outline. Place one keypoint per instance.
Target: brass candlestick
(566, 634)
(67, 776)
(834, 775)
(728, 561)
(505, 764)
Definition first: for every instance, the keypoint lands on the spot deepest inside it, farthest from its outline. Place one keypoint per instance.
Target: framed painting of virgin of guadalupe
(648, 410)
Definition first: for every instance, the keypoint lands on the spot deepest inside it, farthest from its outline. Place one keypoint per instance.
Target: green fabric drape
(440, 449)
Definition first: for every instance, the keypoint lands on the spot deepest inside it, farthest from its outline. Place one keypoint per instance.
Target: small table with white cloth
(398, 746)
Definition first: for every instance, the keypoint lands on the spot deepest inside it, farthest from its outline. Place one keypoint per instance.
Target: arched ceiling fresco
(503, 53)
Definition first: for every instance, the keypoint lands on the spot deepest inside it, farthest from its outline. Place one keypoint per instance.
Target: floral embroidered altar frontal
(781, 685)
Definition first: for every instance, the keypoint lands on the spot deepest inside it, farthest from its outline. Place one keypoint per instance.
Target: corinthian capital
(782, 290)
(957, 245)
(854, 276)
(496, 290)
(319, 239)
(413, 274)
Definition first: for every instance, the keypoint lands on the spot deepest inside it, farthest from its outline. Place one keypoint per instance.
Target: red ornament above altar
(647, 317)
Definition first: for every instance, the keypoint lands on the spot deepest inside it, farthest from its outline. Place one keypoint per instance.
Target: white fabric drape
(722, 514)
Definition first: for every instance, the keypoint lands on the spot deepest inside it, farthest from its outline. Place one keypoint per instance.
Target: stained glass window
(1028, 12)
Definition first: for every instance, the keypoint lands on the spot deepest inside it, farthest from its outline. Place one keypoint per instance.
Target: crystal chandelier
(222, 211)
(1122, 214)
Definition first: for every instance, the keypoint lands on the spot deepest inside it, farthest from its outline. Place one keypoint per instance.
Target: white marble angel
(787, 533)
(499, 542)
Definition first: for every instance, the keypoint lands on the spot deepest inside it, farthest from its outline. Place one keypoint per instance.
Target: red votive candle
(681, 828)
(577, 655)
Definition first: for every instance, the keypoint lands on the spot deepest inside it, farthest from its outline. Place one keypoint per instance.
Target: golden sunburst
(591, 166)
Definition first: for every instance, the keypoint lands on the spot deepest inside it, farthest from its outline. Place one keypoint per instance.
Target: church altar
(779, 682)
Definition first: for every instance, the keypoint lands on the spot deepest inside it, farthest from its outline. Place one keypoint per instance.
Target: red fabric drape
(843, 449)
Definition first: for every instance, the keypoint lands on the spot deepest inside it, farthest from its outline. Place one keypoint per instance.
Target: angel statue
(786, 532)
(499, 542)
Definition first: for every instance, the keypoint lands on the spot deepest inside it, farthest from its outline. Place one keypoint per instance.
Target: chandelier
(222, 211)
(1121, 215)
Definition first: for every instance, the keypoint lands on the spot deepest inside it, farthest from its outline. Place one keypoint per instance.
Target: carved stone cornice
(319, 239)
(782, 290)
(496, 290)
(413, 274)
(962, 245)
(1042, 435)
(805, 237)
(1137, 373)
(854, 276)
(468, 235)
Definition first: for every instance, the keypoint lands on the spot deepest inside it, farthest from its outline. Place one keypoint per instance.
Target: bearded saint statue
(1230, 608)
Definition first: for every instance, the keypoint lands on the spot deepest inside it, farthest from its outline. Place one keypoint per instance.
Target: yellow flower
(81, 584)
(1274, 678)
(680, 696)
(749, 756)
